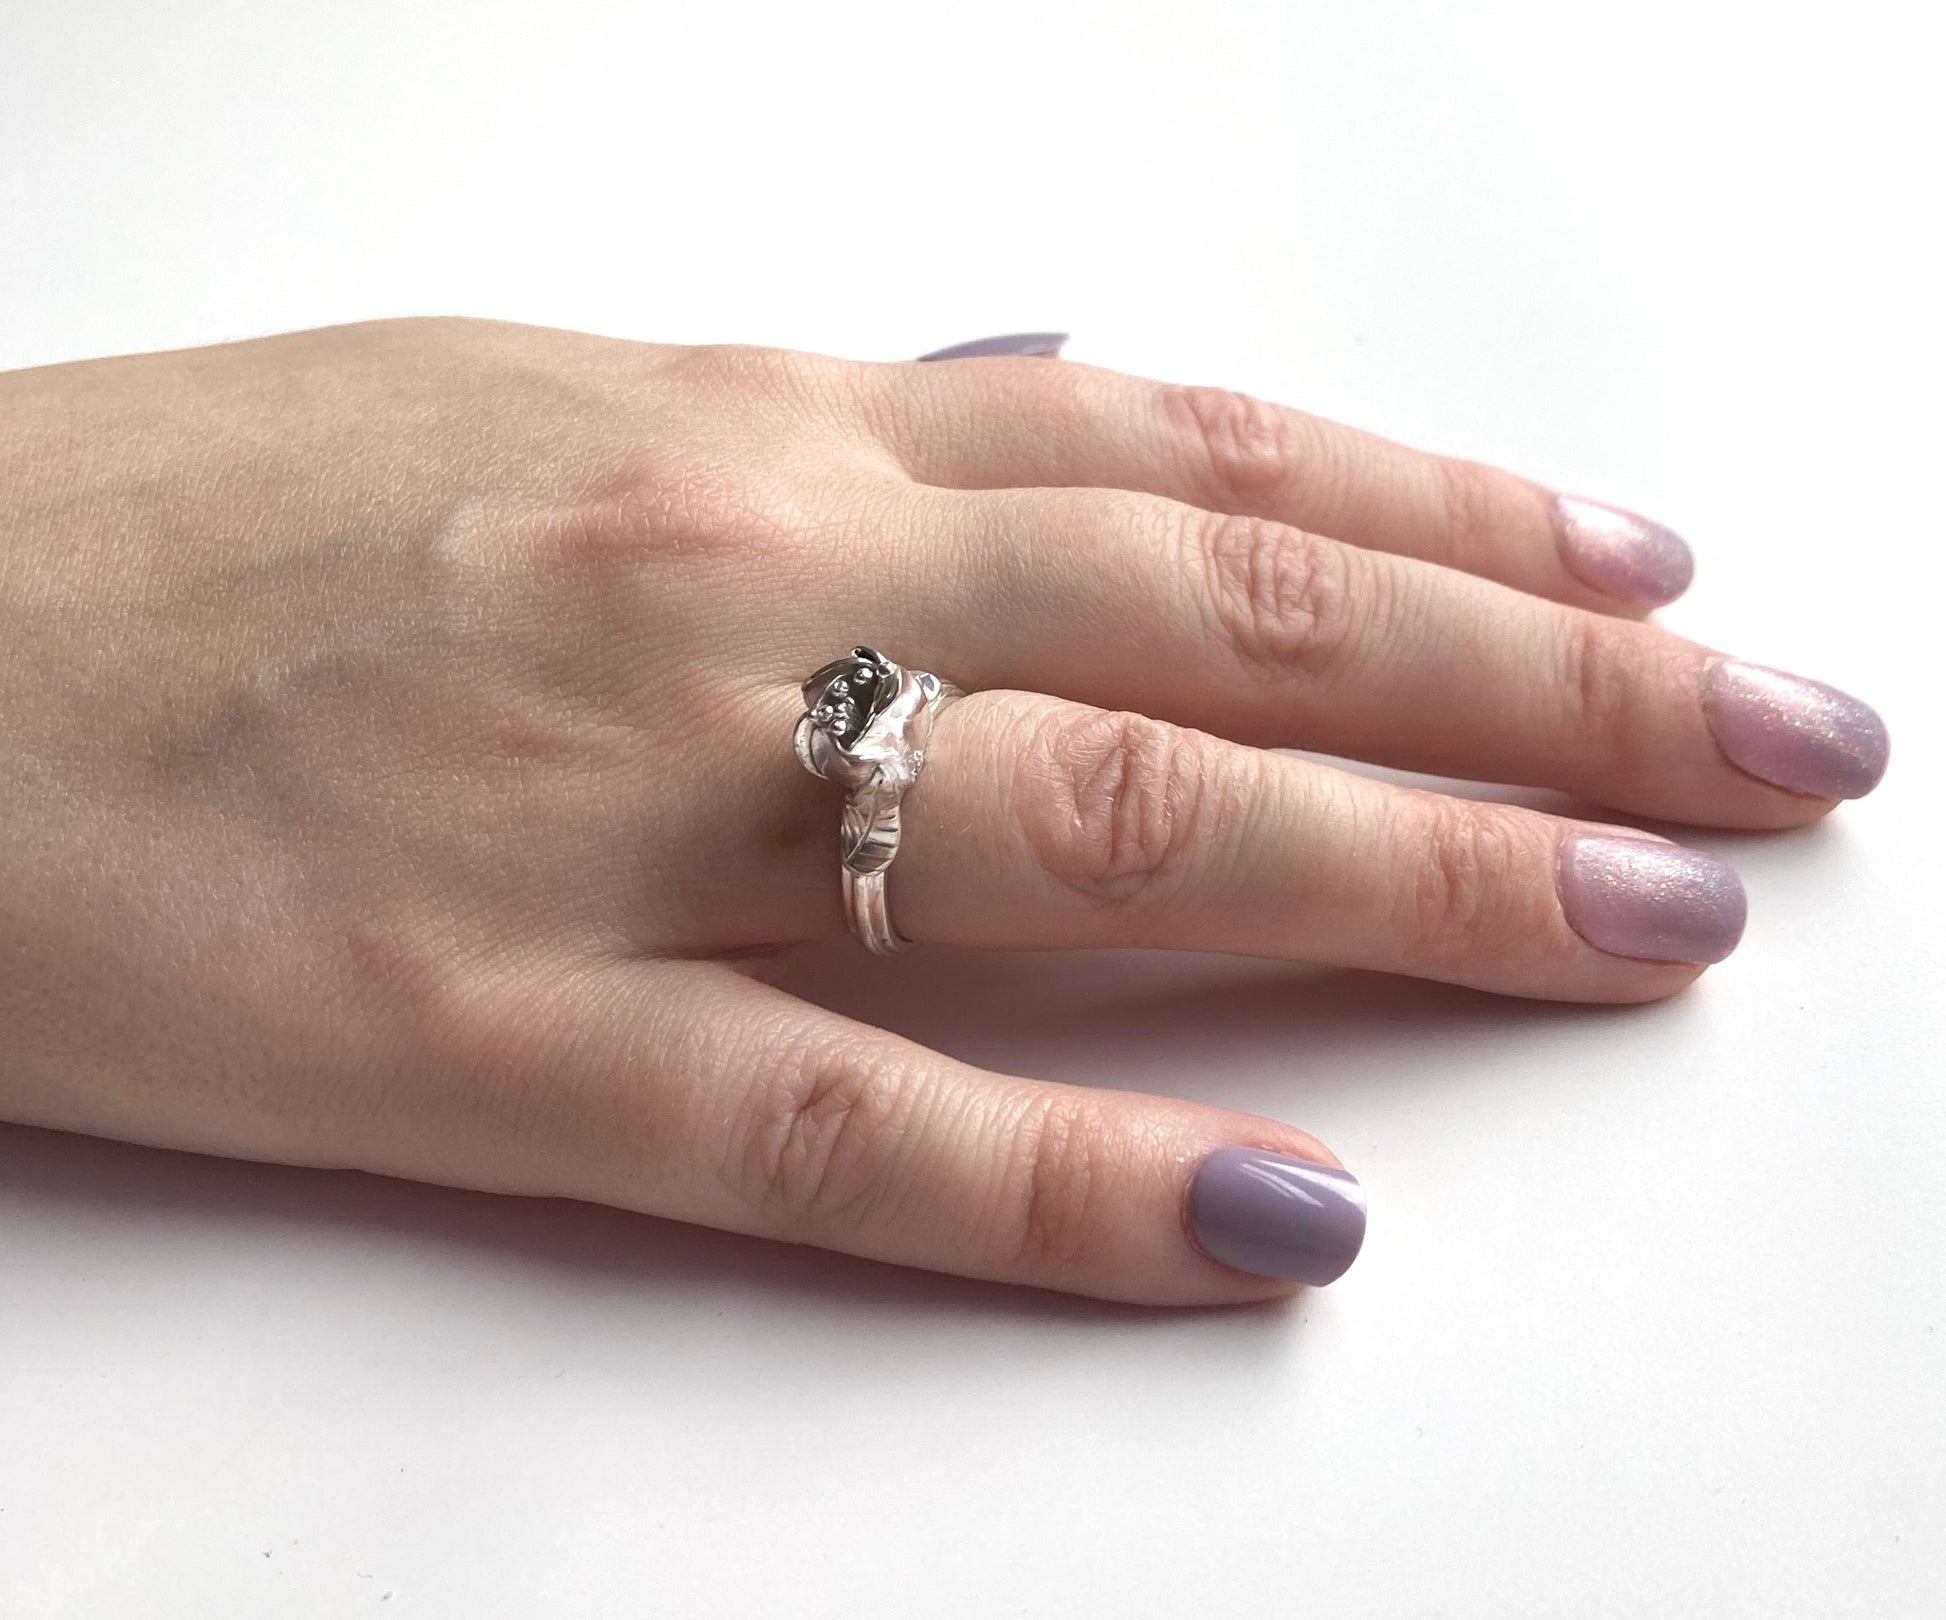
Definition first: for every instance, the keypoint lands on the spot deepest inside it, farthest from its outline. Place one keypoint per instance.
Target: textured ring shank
(867, 910)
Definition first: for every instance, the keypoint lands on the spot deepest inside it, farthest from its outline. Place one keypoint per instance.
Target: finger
(1044, 823)
(1274, 636)
(688, 1090)
(1005, 424)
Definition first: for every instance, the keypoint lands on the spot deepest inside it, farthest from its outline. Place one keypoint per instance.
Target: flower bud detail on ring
(865, 726)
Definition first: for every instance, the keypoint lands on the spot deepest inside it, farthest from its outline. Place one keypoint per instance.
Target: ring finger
(1039, 822)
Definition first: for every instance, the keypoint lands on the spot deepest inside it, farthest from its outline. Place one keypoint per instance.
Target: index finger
(996, 422)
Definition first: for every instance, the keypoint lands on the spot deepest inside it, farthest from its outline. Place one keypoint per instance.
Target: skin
(396, 753)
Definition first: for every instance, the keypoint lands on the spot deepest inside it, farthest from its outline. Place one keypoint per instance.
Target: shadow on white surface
(585, 1246)
(1232, 1030)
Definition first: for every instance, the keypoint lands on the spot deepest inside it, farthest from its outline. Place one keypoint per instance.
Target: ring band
(865, 726)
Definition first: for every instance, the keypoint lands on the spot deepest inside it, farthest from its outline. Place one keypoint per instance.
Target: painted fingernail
(1620, 553)
(1794, 733)
(1276, 1216)
(1044, 343)
(1654, 902)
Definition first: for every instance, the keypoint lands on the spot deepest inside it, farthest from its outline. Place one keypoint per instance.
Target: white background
(1650, 1321)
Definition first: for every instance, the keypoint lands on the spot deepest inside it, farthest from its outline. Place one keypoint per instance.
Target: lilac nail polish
(1043, 343)
(1654, 902)
(1620, 553)
(1275, 1216)
(1793, 733)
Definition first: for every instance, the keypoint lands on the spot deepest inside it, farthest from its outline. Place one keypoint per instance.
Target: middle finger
(1266, 634)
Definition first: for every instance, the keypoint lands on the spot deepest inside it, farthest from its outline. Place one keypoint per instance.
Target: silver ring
(865, 726)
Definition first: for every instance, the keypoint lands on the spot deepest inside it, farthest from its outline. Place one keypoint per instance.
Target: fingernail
(1654, 902)
(1620, 553)
(1794, 733)
(1045, 343)
(1277, 1216)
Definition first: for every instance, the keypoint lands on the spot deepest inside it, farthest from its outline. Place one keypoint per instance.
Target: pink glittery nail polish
(1621, 554)
(1654, 902)
(1047, 344)
(1793, 733)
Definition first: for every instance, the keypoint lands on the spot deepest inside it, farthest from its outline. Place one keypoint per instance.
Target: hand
(396, 749)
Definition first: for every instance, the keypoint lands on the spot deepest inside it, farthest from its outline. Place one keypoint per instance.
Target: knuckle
(1111, 802)
(725, 364)
(1471, 889)
(1280, 597)
(1471, 510)
(1244, 449)
(807, 384)
(1602, 687)
(1063, 1177)
(701, 505)
(811, 1161)
(689, 504)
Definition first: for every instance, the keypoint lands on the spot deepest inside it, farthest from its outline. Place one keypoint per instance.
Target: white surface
(1651, 1317)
